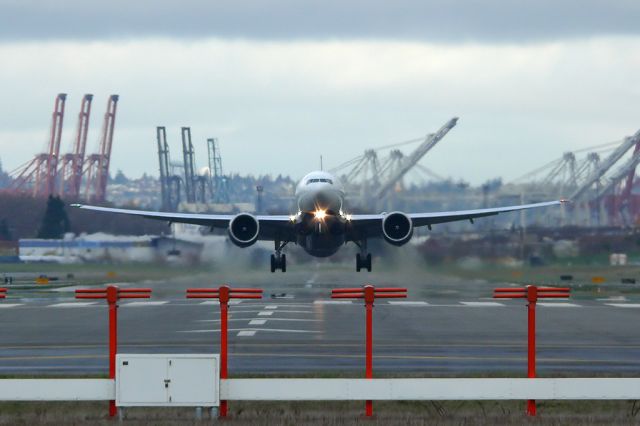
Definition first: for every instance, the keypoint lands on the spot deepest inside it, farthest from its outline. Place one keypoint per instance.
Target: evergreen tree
(120, 178)
(5, 233)
(55, 221)
(5, 179)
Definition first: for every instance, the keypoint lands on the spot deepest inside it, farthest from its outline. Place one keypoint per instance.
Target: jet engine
(397, 228)
(244, 230)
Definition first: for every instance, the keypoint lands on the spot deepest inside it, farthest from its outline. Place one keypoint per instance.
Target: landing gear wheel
(278, 261)
(363, 262)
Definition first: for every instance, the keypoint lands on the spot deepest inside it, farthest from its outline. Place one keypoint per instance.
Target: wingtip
(76, 205)
(564, 201)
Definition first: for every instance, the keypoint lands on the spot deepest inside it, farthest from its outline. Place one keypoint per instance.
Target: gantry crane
(97, 165)
(71, 168)
(39, 176)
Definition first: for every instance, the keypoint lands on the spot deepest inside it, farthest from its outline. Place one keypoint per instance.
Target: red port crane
(72, 163)
(98, 164)
(39, 176)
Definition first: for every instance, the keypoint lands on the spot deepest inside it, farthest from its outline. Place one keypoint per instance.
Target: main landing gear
(363, 259)
(279, 259)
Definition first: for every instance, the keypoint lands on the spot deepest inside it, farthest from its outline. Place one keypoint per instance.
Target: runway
(447, 326)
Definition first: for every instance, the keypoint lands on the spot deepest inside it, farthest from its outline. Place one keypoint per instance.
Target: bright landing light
(320, 214)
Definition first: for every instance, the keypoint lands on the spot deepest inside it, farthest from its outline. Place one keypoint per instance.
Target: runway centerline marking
(407, 302)
(481, 304)
(257, 322)
(275, 330)
(246, 333)
(216, 302)
(271, 307)
(265, 313)
(260, 319)
(152, 303)
(332, 302)
(72, 305)
(280, 311)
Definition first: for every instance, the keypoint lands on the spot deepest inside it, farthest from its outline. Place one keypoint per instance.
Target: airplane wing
(370, 224)
(280, 226)
(271, 226)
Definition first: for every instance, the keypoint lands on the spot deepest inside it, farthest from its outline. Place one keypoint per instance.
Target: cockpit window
(319, 180)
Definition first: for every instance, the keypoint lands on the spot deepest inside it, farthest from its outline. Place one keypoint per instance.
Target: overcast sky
(282, 82)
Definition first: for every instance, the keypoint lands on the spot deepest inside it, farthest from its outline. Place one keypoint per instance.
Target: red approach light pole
(3, 292)
(224, 293)
(112, 294)
(369, 293)
(532, 294)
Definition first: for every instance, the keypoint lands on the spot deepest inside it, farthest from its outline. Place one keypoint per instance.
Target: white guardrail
(348, 389)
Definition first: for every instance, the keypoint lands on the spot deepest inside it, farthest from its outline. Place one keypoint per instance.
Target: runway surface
(447, 326)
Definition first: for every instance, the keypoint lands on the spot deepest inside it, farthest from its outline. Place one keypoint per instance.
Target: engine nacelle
(397, 228)
(243, 230)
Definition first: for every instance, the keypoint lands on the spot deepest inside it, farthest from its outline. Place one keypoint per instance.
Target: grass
(582, 284)
(25, 274)
(335, 413)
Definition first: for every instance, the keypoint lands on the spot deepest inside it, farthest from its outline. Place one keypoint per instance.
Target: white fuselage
(320, 218)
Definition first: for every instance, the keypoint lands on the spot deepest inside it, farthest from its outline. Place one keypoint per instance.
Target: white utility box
(179, 380)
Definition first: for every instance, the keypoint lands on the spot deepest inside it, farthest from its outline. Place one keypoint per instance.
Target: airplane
(322, 223)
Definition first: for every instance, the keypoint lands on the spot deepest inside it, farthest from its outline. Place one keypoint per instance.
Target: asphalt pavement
(447, 326)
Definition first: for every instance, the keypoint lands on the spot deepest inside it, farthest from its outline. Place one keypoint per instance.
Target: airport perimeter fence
(366, 389)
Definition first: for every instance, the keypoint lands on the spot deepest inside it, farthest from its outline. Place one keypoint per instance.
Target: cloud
(448, 21)
(277, 106)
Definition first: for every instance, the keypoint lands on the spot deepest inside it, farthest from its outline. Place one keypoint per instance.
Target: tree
(120, 178)
(5, 233)
(5, 179)
(55, 221)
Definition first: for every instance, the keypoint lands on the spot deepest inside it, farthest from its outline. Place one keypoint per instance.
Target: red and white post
(532, 298)
(112, 300)
(532, 294)
(112, 294)
(369, 297)
(224, 333)
(369, 293)
(224, 293)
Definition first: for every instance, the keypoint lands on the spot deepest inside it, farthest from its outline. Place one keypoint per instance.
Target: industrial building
(109, 248)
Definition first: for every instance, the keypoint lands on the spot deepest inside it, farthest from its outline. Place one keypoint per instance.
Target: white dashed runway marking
(624, 305)
(246, 333)
(72, 305)
(265, 313)
(482, 304)
(407, 303)
(257, 322)
(10, 305)
(254, 330)
(332, 302)
(559, 304)
(150, 303)
(217, 302)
